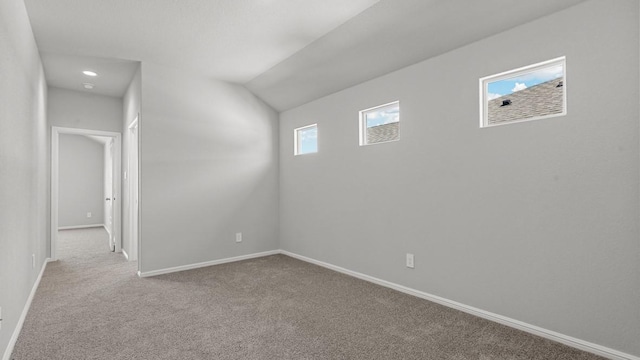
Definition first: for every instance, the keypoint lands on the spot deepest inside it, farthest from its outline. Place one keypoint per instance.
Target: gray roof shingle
(384, 132)
(539, 100)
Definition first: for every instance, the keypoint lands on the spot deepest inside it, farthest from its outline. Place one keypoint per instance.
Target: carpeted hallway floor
(91, 305)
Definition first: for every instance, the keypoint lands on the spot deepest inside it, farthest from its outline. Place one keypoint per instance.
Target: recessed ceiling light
(88, 86)
(90, 73)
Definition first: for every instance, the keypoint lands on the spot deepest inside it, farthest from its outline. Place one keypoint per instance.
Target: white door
(109, 193)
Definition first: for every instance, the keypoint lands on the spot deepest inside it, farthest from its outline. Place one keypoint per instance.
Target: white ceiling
(65, 71)
(232, 40)
(287, 52)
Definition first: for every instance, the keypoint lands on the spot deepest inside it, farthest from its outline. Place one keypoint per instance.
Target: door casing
(133, 184)
(55, 143)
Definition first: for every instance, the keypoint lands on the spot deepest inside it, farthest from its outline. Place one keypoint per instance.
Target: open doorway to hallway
(85, 191)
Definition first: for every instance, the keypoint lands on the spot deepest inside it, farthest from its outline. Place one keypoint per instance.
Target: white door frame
(55, 143)
(134, 206)
(109, 151)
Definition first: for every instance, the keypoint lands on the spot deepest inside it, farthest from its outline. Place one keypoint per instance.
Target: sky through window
(508, 86)
(385, 115)
(307, 140)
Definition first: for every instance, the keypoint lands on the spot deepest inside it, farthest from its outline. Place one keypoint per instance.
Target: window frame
(363, 126)
(484, 90)
(296, 147)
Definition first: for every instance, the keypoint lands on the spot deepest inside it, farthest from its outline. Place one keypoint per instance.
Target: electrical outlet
(33, 261)
(238, 237)
(410, 261)
(0, 317)
(89, 214)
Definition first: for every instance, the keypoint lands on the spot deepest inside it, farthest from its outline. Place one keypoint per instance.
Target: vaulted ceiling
(287, 52)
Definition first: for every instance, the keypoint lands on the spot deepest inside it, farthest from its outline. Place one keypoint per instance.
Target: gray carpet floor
(91, 305)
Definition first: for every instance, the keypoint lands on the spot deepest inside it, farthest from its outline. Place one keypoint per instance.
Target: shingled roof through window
(540, 100)
(382, 133)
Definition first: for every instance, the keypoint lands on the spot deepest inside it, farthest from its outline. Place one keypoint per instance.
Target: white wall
(131, 109)
(536, 221)
(84, 110)
(81, 181)
(23, 170)
(209, 165)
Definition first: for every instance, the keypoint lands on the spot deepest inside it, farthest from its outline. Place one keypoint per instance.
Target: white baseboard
(80, 227)
(517, 324)
(23, 316)
(126, 256)
(207, 263)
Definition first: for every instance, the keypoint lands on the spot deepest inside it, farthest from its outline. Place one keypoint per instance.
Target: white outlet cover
(238, 237)
(410, 263)
(88, 214)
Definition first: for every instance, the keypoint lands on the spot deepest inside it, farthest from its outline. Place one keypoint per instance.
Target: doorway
(111, 196)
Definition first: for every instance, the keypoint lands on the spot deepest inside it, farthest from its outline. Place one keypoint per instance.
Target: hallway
(84, 246)
(77, 296)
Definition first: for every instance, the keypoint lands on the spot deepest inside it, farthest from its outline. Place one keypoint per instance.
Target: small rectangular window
(532, 92)
(306, 140)
(380, 124)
